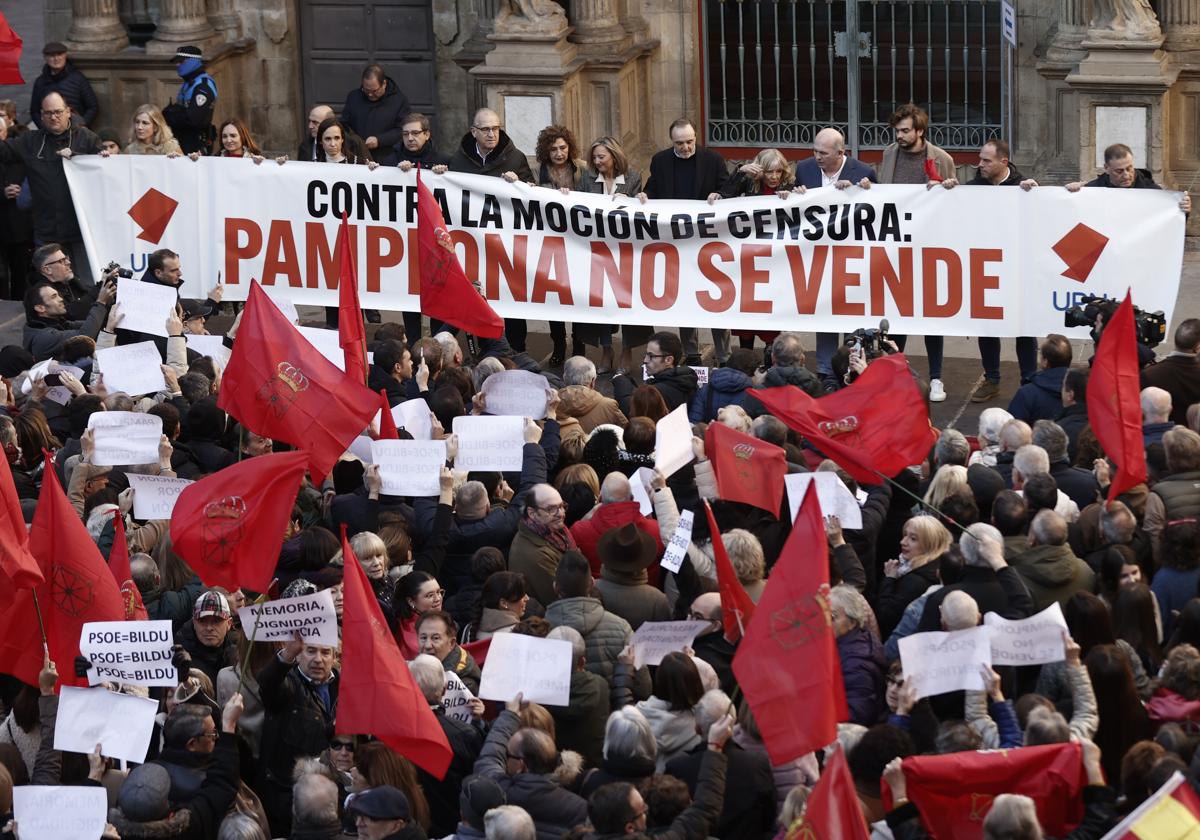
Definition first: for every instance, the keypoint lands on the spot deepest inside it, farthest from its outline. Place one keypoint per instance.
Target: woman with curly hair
(769, 173)
(150, 134)
(557, 153)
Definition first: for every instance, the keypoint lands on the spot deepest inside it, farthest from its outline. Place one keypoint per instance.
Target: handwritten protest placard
(456, 698)
(131, 652)
(939, 662)
(312, 616)
(673, 442)
(326, 343)
(519, 393)
(132, 368)
(655, 639)
(1029, 641)
(639, 486)
(835, 498)
(538, 668)
(121, 723)
(53, 812)
(680, 540)
(125, 437)
(154, 496)
(487, 443)
(409, 467)
(145, 306)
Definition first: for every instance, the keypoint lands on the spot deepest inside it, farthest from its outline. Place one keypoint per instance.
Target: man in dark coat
(299, 690)
(1073, 416)
(60, 76)
(1120, 172)
(1179, 373)
(389, 371)
(209, 638)
(310, 145)
(416, 146)
(689, 171)
(375, 111)
(664, 363)
(986, 577)
(1041, 397)
(46, 326)
(1079, 484)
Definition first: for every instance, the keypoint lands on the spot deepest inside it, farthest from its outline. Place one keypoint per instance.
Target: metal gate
(778, 71)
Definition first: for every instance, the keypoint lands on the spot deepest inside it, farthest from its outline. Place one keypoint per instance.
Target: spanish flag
(1173, 813)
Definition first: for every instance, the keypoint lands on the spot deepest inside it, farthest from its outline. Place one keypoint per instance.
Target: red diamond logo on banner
(153, 212)
(1080, 249)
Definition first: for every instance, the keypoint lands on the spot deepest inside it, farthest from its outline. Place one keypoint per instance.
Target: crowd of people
(1009, 521)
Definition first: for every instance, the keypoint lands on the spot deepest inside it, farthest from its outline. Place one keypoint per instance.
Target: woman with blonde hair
(923, 543)
(948, 480)
(150, 134)
(769, 172)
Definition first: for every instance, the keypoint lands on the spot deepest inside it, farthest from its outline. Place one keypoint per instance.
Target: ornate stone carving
(1125, 21)
(529, 17)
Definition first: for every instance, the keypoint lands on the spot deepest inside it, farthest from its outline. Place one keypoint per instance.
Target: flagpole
(37, 608)
(261, 599)
(920, 501)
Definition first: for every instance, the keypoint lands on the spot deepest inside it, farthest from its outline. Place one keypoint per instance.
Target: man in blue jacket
(831, 166)
(375, 111)
(1041, 397)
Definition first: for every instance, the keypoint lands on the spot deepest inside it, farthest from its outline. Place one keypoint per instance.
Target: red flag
(387, 423)
(788, 664)
(18, 567)
(736, 607)
(832, 810)
(1114, 400)
(747, 469)
(78, 589)
(954, 792)
(281, 387)
(10, 55)
(118, 564)
(878, 423)
(229, 526)
(378, 695)
(446, 293)
(351, 335)
(478, 650)
(1173, 811)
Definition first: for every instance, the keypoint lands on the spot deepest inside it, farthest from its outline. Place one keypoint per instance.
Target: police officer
(190, 116)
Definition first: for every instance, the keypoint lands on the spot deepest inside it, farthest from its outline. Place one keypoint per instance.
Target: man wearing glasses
(42, 153)
(415, 147)
(542, 537)
(376, 111)
(663, 362)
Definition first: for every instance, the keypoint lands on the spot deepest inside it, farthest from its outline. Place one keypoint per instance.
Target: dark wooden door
(338, 38)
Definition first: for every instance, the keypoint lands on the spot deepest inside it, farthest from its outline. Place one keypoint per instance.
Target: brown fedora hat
(626, 549)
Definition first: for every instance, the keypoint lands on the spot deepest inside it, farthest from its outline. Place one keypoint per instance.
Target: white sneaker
(937, 393)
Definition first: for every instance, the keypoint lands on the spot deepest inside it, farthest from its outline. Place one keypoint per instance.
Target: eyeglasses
(416, 133)
(60, 260)
(437, 593)
(695, 616)
(487, 129)
(214, 735)
(58, 112)
(341, 745)
(558, 508)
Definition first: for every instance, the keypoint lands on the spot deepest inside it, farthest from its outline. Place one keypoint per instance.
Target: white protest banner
(120, 723)
(145, 306)
(409, 467)
(655, 639)
(413, 416)
(53, 812)
(835, 498)
(312, 616)
(1029, 641)
(489, 443)
(639, 485)
(680, 540)
(456, 698)
(519, 393)
(673, 442)
(538, 668)
(125, 437)
(212, 346)
(154, 496)
(326, 343)
(131, 652)
(132, 368)
(970, 261)
(939, 662)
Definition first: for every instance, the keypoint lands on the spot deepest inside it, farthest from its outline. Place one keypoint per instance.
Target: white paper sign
(519, 393)
(487, 443)
(409, 467)
(212, 346)
(701, 376)
(673, 442)
(132, 368)
(125, 437)
(413, 416)
(639, 486)
(678, 546)
(53, 812)
(1030, 641)
(940, 662)
(326, 343)
(360, 447)
(655, 639)
(145, 306)
(286, 307)
(538, 668)
(120, 723)
(456, 698)
(835, 498)
(154, 496)
(131, 652)
(313, 616)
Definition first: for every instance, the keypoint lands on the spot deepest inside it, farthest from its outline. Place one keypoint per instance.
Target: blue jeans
(935, 348)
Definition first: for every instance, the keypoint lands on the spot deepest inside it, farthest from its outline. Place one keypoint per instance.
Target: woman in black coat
(924, 541)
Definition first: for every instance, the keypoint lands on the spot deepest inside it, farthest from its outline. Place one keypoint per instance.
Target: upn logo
(1079, 250)
(152, 213)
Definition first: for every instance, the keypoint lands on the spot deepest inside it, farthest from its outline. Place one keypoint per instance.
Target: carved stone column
(182, 22)
(597, 24)
(1069, 32)
(96, 27)
(1181, 24)
(224, 19)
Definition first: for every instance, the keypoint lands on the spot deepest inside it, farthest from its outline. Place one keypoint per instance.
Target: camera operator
(1096, 311)
(849, 361)
(53, 266)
